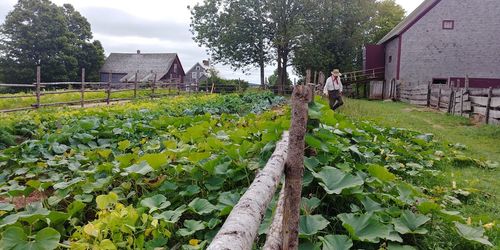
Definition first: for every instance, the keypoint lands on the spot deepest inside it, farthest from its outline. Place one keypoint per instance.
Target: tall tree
(338, 29)
(38, 32)
(236, 33)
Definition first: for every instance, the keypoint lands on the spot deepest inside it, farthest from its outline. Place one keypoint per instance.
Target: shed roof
(411, 19)
(142, 63)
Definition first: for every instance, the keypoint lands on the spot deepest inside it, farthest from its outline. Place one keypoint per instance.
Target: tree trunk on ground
(294, 167)
(241, 226)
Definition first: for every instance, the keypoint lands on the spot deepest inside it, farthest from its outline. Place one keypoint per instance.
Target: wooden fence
(241, 226)
(483, 104)
(39, 89)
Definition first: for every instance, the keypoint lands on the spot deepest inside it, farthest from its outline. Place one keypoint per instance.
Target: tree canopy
(316, 34)
(58, 38)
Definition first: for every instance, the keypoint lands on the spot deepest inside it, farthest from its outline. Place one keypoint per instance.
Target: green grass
(482, 141)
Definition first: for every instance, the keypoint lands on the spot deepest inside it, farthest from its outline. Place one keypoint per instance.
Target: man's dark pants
(335, 99)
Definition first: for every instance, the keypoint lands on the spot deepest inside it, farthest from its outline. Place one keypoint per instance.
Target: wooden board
(415, 102)
(483, 101)
(484, 92)
(466, 108)
(482, 111)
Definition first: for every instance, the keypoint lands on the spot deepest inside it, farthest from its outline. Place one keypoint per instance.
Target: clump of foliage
(38, 32)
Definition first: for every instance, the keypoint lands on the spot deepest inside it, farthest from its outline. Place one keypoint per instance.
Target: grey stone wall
(391, 51)
(472, 47)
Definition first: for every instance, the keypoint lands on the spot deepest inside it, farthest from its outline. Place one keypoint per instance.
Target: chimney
(138, 52)
(206, 63)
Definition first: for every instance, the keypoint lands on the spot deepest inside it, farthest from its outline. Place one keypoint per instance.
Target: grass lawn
(482, 141)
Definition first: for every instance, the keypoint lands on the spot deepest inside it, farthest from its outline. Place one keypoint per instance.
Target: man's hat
(336, 72)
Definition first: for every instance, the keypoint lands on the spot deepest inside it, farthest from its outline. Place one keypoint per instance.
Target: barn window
(193, 75)
(390, 59)
(448, 24)
(440, 81)
(175, 67)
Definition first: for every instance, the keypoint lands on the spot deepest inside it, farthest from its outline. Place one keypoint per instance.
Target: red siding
(375, 56)
(476, 82)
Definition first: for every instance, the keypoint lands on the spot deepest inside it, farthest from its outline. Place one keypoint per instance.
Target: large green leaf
(15, 238)
(171, 216)
(393, 246)
(410, 223)
(311, 224)
(154, 203)
(191, 227)
(381, 173)
(32, 213)
(336, 242)
(142, 168)
(334, 180)
(472, 233)
(365, 227)
(308, 205)
(103, 201)
(155, 161)
(201, 206)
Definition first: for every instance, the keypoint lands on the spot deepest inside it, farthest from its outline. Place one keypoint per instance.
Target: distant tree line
(316, 34)
(220, 84)
(58, 38)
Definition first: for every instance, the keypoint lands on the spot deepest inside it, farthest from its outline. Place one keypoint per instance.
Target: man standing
(333, 88)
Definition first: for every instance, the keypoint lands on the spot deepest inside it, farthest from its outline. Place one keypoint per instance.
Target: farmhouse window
(448, 24)
(197, 68)
(440, 81)
(193, 75)
(390, 59)
(175, 67)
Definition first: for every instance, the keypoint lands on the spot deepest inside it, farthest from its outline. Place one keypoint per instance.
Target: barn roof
(411, 19)
(142, 63)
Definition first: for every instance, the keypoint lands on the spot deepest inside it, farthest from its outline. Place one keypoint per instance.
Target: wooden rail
(108, 89)
(469, 102)
(241, 226)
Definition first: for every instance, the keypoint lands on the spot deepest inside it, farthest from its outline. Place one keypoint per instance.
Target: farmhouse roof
(197, 64)
(142, 63)
(411, 19)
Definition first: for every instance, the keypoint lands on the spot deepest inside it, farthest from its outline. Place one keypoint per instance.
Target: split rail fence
(157, 89)
(483, 104)
(239, 231)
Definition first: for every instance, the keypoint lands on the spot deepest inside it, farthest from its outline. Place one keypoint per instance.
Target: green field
(167, 172)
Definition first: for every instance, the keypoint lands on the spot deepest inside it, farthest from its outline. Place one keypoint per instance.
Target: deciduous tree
(38, 32)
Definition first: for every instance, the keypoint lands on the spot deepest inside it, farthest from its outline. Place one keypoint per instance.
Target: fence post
(315, 77)
(153, 86)
(450, 100)
(308, 76)
(490, 90)
(38, 80)
(82, 102)
(108, 94)
(461, 102)
(294, 167)
(135, 85)
(383, 90)
(439, 99)
(429, 92)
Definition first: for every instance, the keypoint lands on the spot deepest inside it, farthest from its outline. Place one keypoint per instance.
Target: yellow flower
(469, 221)
(489, 225)
(194, 242)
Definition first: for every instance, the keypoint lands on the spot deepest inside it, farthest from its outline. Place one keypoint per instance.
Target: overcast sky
(154, 26)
